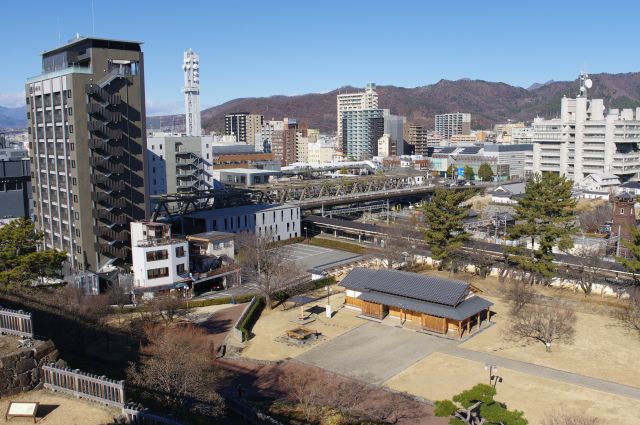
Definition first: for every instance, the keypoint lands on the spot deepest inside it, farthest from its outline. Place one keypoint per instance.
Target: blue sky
(262, 48)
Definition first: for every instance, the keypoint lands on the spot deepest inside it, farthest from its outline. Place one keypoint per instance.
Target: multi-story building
(368, 99)
(504, 132)
(386, 146)
(159, 260)
(302, 147)
(585, 140)
(244, 126)
(394, 127)
(319, 153)
(191, 69)
(278, 222)
(361, 130)
(178, 164)
(521, 135)
(272, 134)
(448, 125)
(86, 118)
(15, 184)
(281, 138)
(313, 134)
(506, 161)
(421, 139)
(462, 138)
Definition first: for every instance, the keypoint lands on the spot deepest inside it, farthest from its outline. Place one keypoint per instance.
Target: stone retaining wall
(21, 370)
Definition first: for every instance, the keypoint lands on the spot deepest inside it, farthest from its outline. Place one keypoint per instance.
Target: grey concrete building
(178, 164)
(15, 188)
(87, 137)
(244, 126)
(448, 125)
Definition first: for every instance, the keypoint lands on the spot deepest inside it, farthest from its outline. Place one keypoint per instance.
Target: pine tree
(545, 216)
(485, 172)
(468, 173)
(477, 406)
(20, 260)
(443, 219)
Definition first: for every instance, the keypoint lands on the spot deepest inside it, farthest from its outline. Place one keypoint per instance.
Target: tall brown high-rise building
(87, 140)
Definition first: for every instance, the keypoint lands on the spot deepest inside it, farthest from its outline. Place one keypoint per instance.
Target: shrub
(251, 318)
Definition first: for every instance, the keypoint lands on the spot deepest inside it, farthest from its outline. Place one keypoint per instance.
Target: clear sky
(260, 48)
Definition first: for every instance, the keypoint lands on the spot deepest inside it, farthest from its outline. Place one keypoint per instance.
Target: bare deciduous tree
(394, 246)
(270, 267)
(167, 307)
(563, 418)
(584, 272)
(177, 367)
(546, 323)
(591, 220)
(519, 294)
(629, 316)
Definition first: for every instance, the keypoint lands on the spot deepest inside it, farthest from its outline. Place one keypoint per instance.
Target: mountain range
(13, 117)
(488, 102)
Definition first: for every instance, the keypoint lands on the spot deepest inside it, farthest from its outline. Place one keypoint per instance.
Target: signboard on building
(460, 171)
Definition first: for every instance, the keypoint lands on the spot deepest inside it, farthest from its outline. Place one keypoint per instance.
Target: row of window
(164, 271)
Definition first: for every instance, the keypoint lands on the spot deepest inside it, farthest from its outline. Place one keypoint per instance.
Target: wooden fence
(16, 322)
(83, 385)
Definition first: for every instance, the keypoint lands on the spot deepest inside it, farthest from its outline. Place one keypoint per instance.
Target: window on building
(73, 163)
(621, 210)
(180, 269)
(76, 215)
(70, 111)
(154, 170)
(157, 255)
(78, 232)
(158, 273)
(71, 129)
(74, 181)
(179, 251)
(78, 249)
(75, 198)
(68, 94)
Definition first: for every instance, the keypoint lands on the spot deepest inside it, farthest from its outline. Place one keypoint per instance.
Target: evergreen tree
(477, 406)
(468, 173)
(545, 217)
(450, 171)
(20, 260)
(443, 219)
(485, 172)
(632, 261)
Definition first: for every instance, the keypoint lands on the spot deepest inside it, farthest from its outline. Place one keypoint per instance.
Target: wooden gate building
(432, 303)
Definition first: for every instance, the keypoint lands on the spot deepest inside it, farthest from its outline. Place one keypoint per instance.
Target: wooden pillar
(489, 314)
(460, 329)
(479, 320)
(468, 325)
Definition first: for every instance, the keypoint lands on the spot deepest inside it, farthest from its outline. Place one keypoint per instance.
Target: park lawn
(601, 349)
(274, 324)
(441, 376)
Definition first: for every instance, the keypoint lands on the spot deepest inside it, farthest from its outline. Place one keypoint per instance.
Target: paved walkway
(544, 372)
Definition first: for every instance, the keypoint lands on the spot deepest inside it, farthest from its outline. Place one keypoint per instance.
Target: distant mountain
(538, 85)
(488, 102)
(13, 117)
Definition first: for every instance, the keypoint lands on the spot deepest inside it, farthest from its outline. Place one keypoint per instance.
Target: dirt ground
(58, 409)
(274, 324)
(440, 376)
(601, 349)
(271, 382)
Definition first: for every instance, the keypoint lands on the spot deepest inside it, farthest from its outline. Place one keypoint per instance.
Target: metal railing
(16, 322)
(79, 384)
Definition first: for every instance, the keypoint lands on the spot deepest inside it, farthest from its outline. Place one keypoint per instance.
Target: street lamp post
(306, 235)
(493, 374)
(328, 309)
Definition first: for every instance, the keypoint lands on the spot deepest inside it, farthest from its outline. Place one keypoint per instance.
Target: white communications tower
(191, 68)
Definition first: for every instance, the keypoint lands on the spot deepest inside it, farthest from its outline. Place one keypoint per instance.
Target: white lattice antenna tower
(191, 68)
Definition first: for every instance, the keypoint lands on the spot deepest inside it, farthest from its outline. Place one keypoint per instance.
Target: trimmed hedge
(312, 285)
(239, 299)
(251, 318)
(339, 245)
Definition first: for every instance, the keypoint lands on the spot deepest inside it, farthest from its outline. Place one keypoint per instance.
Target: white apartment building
(368, 99)
(521, 135)
(585, 140)
(386, 146)
(280, 222)
(448, 125)
(159, 260)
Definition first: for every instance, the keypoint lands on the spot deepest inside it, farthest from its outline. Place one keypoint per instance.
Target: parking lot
(374, 352)
(309, 256)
